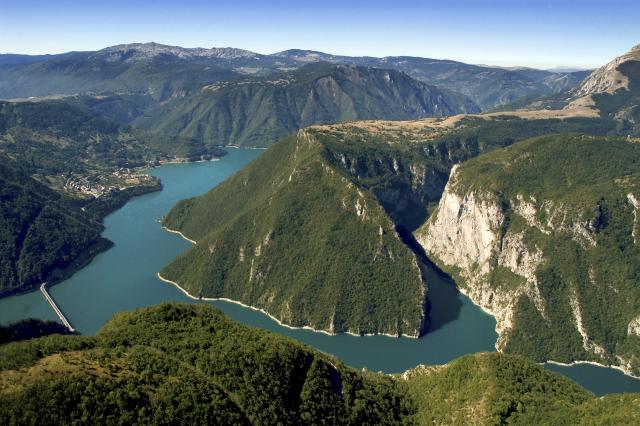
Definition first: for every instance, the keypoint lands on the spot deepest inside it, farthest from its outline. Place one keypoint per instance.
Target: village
(97, 185)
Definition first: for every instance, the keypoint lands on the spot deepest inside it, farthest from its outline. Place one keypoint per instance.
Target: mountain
(291, 234)
(41, 231)
(119, 69)
(544, 235)
(487, 86)
(190, 364)
(612, 92)
(258, 112)
(317, 230)
(163, 72)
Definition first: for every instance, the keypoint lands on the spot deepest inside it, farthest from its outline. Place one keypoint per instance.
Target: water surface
(124, 278)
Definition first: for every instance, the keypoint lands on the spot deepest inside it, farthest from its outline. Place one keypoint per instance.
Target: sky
(536, 33)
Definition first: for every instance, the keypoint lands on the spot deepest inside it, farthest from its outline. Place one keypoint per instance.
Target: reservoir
(124, 278)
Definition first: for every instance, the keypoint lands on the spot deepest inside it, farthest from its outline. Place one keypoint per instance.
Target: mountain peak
(609, 78)
(140, 51)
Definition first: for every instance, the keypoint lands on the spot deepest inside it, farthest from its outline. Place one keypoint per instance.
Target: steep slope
(292, 234)
(612, 92)
(190, 364)
(41, 231)
(544, 235)
(316, 231)
(259, 111)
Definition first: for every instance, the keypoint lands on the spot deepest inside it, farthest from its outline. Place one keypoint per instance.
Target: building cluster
(98, 185)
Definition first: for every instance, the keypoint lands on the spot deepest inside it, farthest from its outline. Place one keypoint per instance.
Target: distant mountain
(487, 86)
(259, 111)
(163, 71)
(118, 70)
(612, 92)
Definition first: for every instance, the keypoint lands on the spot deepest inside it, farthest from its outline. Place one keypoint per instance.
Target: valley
(467, 231)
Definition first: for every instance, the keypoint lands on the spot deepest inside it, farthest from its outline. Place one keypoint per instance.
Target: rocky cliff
(550, 254)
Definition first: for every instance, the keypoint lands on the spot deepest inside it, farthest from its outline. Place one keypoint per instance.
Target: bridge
(65, 321)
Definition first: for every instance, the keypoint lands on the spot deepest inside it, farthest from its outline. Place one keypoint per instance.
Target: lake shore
(597, 364)
(305, 327)
(173, 231)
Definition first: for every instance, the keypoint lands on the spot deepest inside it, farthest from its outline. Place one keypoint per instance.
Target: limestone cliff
(553, 261)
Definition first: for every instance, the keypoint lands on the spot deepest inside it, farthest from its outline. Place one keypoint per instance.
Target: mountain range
(161, 71)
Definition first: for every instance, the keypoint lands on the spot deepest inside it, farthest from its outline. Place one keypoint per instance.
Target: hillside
(63, 142)
(317, 231)
(293, 235)
(612, 91)
(41, 231)
(487, 86)
(190, 364)
(259, 111)
(543, 234)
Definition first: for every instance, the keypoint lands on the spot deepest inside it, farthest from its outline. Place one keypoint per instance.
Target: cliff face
(549, 258)
(467, 233)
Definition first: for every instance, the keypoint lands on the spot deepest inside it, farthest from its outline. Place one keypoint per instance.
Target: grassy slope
(587, 179)
(191, 364)
(291, 234)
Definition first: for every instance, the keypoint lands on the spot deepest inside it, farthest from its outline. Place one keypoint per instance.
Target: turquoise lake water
(124, 278)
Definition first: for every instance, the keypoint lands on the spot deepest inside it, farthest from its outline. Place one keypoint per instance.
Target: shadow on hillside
(444, 301)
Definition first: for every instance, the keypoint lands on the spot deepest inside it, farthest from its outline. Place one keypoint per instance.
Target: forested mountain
(165, 71)
(259, 111)
(190, 364)
(40, 230)
(315, 230)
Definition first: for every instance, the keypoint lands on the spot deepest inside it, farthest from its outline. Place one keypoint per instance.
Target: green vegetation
(185, 363)
(310, 232)
(491, 389)
(41, 231)
(54, 138)
(584, 223)
(294, 235)
(179, 363)
(260, 111)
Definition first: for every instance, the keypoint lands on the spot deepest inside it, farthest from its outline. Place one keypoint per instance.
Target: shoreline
(173, 231)
(253, 308)
(562, 364)
(597, 364)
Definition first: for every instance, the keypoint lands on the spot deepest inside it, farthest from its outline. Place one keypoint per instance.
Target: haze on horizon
(541, 34)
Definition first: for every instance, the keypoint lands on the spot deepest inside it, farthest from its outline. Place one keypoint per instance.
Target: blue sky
(538, 33)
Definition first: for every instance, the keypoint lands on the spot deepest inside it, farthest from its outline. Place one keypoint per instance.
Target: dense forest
(41, 230)
(177, 363)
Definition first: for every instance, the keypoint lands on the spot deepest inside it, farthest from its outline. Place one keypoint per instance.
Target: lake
(124, 278)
